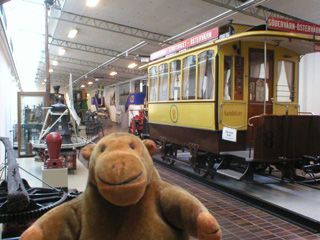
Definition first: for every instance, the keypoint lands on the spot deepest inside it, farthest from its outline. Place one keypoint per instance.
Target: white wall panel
(309, 92)
(8, 99)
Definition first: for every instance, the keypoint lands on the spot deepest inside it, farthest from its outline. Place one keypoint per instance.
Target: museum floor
(237, 219)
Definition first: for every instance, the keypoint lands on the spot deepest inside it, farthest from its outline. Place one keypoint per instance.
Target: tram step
(230, 173)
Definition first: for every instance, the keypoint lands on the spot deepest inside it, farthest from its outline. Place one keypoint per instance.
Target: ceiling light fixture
(73, 33)
(90, 83)
(50, 70)
(43, 83)
(82, 86)
(132, 65)
(55, 63)
(44, 80)
(92, 3)
(61, 52)
(113, 73)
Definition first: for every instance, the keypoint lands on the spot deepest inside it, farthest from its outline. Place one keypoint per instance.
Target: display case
(30, 120)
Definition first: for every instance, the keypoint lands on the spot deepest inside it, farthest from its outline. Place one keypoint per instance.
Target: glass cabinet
(30, 120)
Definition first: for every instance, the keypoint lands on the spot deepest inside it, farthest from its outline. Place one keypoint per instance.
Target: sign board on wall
(293, 26)
(200, 38)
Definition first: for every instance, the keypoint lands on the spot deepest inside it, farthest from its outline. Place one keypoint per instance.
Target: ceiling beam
(86, 63)
(89, 49)
(110, 26)
(63, 72)
(256, 11)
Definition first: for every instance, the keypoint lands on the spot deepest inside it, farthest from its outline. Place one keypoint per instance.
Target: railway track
(263, 186)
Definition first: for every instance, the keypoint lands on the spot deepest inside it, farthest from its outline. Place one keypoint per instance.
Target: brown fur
(125, 198)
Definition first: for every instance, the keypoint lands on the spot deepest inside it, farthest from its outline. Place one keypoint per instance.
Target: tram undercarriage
(306, 169)
(281, 148)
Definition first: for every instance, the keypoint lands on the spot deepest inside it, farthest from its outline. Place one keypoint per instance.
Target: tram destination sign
(200, 38)
(293, 26)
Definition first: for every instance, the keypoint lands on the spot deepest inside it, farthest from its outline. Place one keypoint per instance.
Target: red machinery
(136, 124)
(54, 141)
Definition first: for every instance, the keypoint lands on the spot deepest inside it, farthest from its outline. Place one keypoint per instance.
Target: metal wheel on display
(73, 194)
(41, 201)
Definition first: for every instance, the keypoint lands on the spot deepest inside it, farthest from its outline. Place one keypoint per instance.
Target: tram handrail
(221, 120)
(310, 113)
(286, 105)
(253, 117)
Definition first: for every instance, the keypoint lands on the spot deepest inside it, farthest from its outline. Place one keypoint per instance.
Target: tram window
(175, 75)
(153, 83)
(189, 77)
(285, 83)
(257, 69)
(206, 75)
(228, 78)
(257, 91)
(163, 82)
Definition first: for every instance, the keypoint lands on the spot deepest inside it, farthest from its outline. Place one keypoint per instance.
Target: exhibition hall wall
(8, 98)
(309, 96)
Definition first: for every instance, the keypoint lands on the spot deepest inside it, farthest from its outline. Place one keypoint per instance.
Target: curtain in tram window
(202, 87)
(186, 75)
(255, 67)
(227, 76)
(153, 83)
(175, 67)
(288, 67)
(279, 71)
(211, 77)
(163, 82)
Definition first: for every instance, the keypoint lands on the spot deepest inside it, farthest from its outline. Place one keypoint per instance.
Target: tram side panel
(191, 122)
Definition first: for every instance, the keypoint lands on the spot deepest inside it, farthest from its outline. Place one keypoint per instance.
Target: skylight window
(92, 3)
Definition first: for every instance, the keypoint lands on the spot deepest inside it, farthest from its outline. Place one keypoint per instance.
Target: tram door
(257, 90)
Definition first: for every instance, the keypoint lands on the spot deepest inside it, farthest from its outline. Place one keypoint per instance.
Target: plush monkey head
(121, 167)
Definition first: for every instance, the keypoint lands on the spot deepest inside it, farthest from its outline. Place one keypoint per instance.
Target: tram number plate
(229, 134)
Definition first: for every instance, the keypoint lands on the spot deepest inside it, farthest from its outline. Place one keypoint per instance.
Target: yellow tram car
(236, 91)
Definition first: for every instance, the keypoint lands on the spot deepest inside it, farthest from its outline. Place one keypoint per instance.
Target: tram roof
(299, 43)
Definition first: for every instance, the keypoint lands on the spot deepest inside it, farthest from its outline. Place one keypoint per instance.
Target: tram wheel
(200, 172)
(261, 167)
(201, 168)
(168, 160)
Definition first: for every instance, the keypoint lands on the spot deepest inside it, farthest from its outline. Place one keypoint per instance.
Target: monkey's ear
(87, 150)
(151, 146)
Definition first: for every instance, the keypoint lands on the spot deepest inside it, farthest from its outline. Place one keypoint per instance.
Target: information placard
(229, 134)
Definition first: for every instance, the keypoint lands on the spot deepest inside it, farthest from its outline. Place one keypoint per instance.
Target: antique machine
(57, 120)
(20, 203)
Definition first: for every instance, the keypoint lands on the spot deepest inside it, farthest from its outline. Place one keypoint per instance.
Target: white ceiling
(164, 17)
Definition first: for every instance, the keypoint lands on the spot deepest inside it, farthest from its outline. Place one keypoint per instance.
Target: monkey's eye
(103, 148)
(131, 146)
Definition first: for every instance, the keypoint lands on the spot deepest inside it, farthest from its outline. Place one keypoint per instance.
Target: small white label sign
(229, 134)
